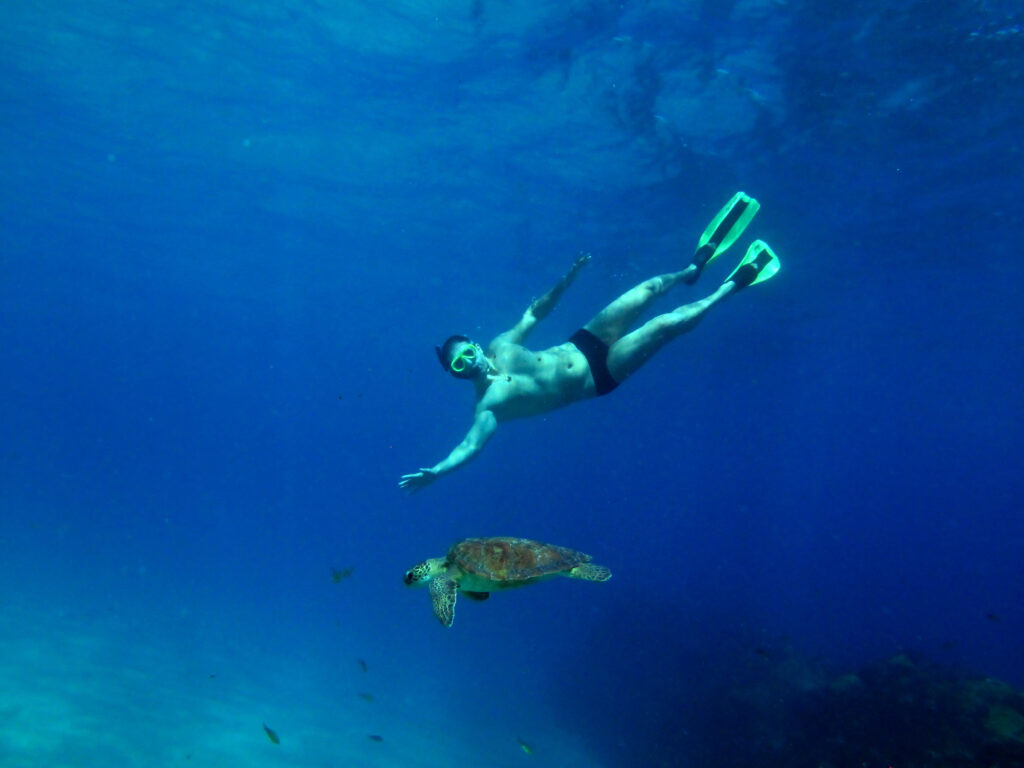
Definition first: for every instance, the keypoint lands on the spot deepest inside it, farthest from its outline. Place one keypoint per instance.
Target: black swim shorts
(596, 352)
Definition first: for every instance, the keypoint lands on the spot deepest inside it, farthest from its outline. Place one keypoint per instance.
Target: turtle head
(422, 573)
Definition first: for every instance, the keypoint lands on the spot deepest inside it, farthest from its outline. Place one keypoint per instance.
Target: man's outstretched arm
(483, 427)
(542, 307)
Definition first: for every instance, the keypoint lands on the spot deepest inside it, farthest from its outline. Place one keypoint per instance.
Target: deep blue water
(231, 233)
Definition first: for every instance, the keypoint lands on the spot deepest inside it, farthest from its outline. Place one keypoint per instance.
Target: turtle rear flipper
(442, 595)
(476, 595)
(591, 572)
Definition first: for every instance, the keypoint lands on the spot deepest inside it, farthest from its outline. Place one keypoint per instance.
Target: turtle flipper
(590, 572)
(442, 595)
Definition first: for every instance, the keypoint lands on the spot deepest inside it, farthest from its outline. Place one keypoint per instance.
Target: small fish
(271, 735)
(362, 665)
(524, 746)
(338, 575)
(366, 697)
(375, 737)
(762, 652)
(992, 616)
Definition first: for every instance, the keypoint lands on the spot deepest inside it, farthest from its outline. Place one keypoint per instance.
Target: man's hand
(417, 480)
(577, 265)
(543, 306)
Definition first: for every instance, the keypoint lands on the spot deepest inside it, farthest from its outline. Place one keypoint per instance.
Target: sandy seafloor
(80, 691)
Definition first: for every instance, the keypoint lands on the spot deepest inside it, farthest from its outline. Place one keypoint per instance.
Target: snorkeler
(513, 382)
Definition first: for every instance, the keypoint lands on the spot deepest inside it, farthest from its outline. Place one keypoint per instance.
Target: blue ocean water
(230, 235)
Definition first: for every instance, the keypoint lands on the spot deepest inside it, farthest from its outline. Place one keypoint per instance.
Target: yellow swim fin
(723, 230)
(759, 264)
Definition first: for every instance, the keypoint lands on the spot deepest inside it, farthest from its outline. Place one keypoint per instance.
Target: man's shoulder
(503, 344)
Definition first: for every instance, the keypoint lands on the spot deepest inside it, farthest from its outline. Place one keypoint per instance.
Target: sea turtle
(480, 566)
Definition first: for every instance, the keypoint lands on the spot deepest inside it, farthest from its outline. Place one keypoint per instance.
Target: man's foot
(703, 255)
(759, 264)
(722, 232)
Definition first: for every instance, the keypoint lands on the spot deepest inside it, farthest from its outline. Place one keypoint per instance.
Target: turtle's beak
(418, 574)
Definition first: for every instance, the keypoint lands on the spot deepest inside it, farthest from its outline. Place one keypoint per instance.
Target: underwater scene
(577, 384)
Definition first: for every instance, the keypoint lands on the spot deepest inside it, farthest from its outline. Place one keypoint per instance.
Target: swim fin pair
(759, 264)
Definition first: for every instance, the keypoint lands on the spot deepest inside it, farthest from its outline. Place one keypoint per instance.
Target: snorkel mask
(457, 355)
(464, 358)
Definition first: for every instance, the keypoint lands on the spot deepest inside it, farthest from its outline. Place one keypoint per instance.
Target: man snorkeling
(513, 382)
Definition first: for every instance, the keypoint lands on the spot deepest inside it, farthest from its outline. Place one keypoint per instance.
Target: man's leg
(627, 354)
(612, 322)
(634, 349)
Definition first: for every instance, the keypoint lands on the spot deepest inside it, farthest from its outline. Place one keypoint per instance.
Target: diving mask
(465, 357)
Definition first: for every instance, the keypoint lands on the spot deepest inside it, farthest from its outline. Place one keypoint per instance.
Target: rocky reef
(904, 712)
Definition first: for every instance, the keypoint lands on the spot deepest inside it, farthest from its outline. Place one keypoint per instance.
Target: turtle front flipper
(591, 572)
(442, 595)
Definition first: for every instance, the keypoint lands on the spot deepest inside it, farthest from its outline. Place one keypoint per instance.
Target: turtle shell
(503, 558)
